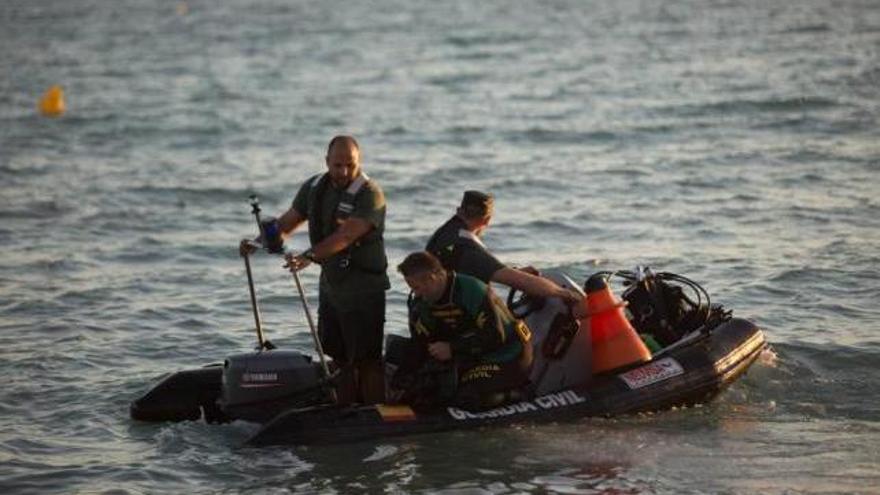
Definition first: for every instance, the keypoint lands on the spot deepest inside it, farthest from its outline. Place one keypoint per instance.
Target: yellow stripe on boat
(395, 412)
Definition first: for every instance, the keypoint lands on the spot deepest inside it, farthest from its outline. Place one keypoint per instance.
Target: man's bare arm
(533, 285)
(289, 221)
(350, 231)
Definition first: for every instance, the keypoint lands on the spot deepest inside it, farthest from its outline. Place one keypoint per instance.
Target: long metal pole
(318, 347)
(257, 320)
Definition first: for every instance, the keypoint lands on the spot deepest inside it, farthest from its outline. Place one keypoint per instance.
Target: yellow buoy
(52, 102)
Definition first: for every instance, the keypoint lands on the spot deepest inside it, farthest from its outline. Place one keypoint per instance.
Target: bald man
(345, 211)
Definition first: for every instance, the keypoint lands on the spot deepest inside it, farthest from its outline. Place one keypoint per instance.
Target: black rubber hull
(183, 396)
(692, 373)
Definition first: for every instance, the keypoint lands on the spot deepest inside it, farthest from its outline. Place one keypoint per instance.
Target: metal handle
(257, 320)
(318, 347)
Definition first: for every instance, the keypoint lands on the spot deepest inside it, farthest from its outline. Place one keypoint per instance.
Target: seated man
(457, 319)
(458, 246)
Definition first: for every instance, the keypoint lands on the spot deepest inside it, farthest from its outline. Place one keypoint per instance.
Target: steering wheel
(524, 305)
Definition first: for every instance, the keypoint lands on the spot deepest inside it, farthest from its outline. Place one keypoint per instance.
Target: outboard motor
(257, 386)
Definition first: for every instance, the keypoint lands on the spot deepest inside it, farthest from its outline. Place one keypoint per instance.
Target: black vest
(368, 252)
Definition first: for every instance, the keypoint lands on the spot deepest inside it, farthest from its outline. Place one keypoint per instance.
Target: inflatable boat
(677, 349)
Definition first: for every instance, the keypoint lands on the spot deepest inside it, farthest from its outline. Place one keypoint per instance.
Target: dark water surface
(734, 142)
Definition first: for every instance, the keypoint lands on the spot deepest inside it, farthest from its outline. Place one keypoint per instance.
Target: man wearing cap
(345, 212)
(458, 246)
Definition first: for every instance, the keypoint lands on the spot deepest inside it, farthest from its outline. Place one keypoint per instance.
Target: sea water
(733, 142)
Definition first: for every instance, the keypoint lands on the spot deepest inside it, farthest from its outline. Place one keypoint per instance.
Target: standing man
(458, 246)
(345, 211)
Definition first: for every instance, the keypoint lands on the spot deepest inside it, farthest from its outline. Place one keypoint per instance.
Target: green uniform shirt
(477, 325)
(361, 268)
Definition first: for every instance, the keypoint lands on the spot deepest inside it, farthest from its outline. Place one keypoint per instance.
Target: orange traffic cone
(615, 341)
